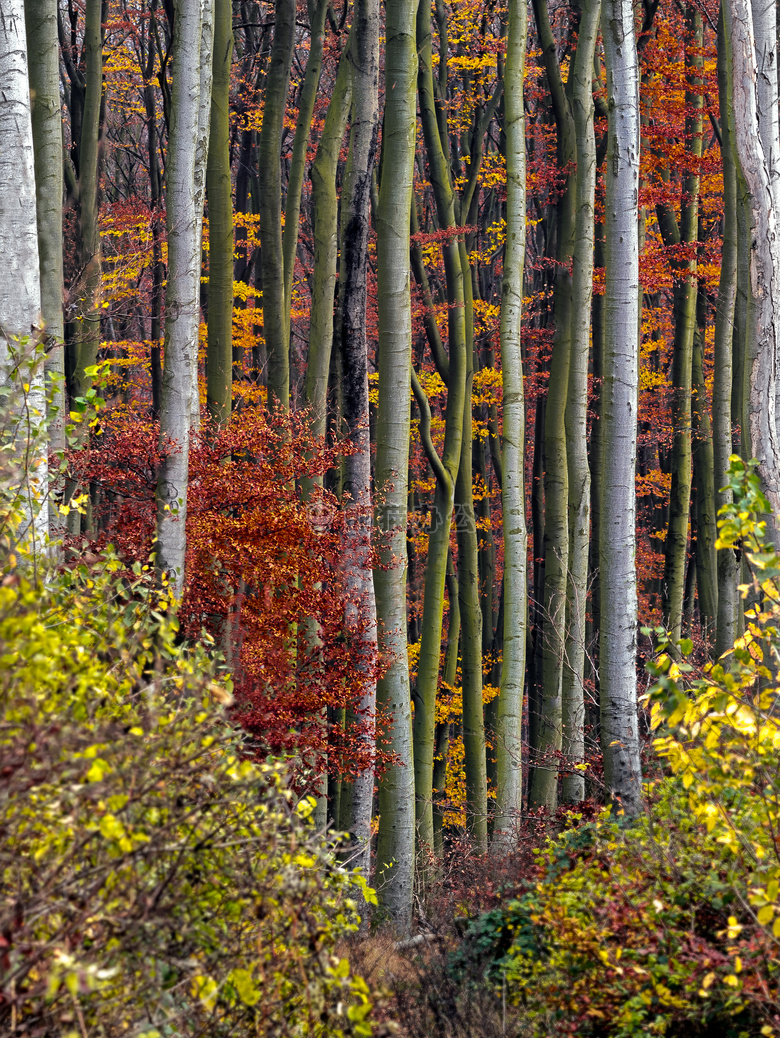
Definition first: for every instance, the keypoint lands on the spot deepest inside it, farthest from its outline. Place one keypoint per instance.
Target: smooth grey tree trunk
(186, 174)
(361, 610)
(617, 547)
(573, 688)
(508, 735)
(728, 596)
(20, 294)
(754, 182)
(395, 843)
(44, 74)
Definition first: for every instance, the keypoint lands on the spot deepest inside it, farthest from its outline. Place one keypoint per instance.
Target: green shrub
(152, 879)
(670, 924)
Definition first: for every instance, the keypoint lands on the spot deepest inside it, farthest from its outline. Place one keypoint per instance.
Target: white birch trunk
(184, 208)
(509, 774)
(20, 294)
(617, 547)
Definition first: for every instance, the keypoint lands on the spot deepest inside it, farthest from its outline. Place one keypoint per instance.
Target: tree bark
(43, 52)
(182, 297)
(617, 547)
(20, 293)
(573, 687)
(219, 351)
(361, 610)
(728, 596)
(763, 282)
(395, 843)
(508, 735)
(275, 321)
(446, 470)
(676, 548)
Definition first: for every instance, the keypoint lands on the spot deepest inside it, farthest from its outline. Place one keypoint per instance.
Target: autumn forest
(391, 449)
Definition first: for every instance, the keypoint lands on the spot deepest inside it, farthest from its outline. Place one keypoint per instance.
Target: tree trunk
(361, 609)
(182, 297)
(546, 748)
(219, 354)
(573, 696)
(275, 320)
(446, 470)
(470, 612)
(308, 96)
(763, 283)
(676, 548)
(617, 547)
(508, 735)
(43, 52)
(20, 292)
(325, 208)
(704, 479)
(86, 341)
(395, 843)
(728, 596)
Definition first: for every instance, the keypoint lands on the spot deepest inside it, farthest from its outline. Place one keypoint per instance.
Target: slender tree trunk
(20, 291)
(361, 611)
(86, 339)
(508, 735)
(325, 209)
(219, 355)
(617, 548)
(311, 82)
(470, 612)
(275, 320)
(446, 470)
(676, 549)
(442, 743)
(573, 696)
(728, 597)
(395, 844)
(763, 283)
(543, 789)
(182, 298)
(206, 66)
(43, 52)
(704, 480)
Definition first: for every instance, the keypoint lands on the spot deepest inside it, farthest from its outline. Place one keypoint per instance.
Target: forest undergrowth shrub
(153, 881)
(668, 923)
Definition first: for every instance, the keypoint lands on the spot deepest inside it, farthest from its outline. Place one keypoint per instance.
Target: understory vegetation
(158, 878)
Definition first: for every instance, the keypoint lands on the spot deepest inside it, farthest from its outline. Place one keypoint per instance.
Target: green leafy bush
(153, 881)
(669, 924)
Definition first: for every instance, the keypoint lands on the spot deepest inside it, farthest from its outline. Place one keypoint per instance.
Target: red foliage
(265, 573)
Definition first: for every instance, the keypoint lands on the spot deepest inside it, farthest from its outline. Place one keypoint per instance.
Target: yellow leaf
(765, 914)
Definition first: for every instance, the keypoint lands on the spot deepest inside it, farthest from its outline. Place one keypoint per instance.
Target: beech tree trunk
(219, 354)
(573, 688)
(617, 547)
(728, 596)
(395, 843)
(446, 469)
(182, 298)
(676, 548)
(361, 609)
(326, 222)
(763, 282)
(275, 321)
(20, 293)
(44, 74)
(508, 734)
